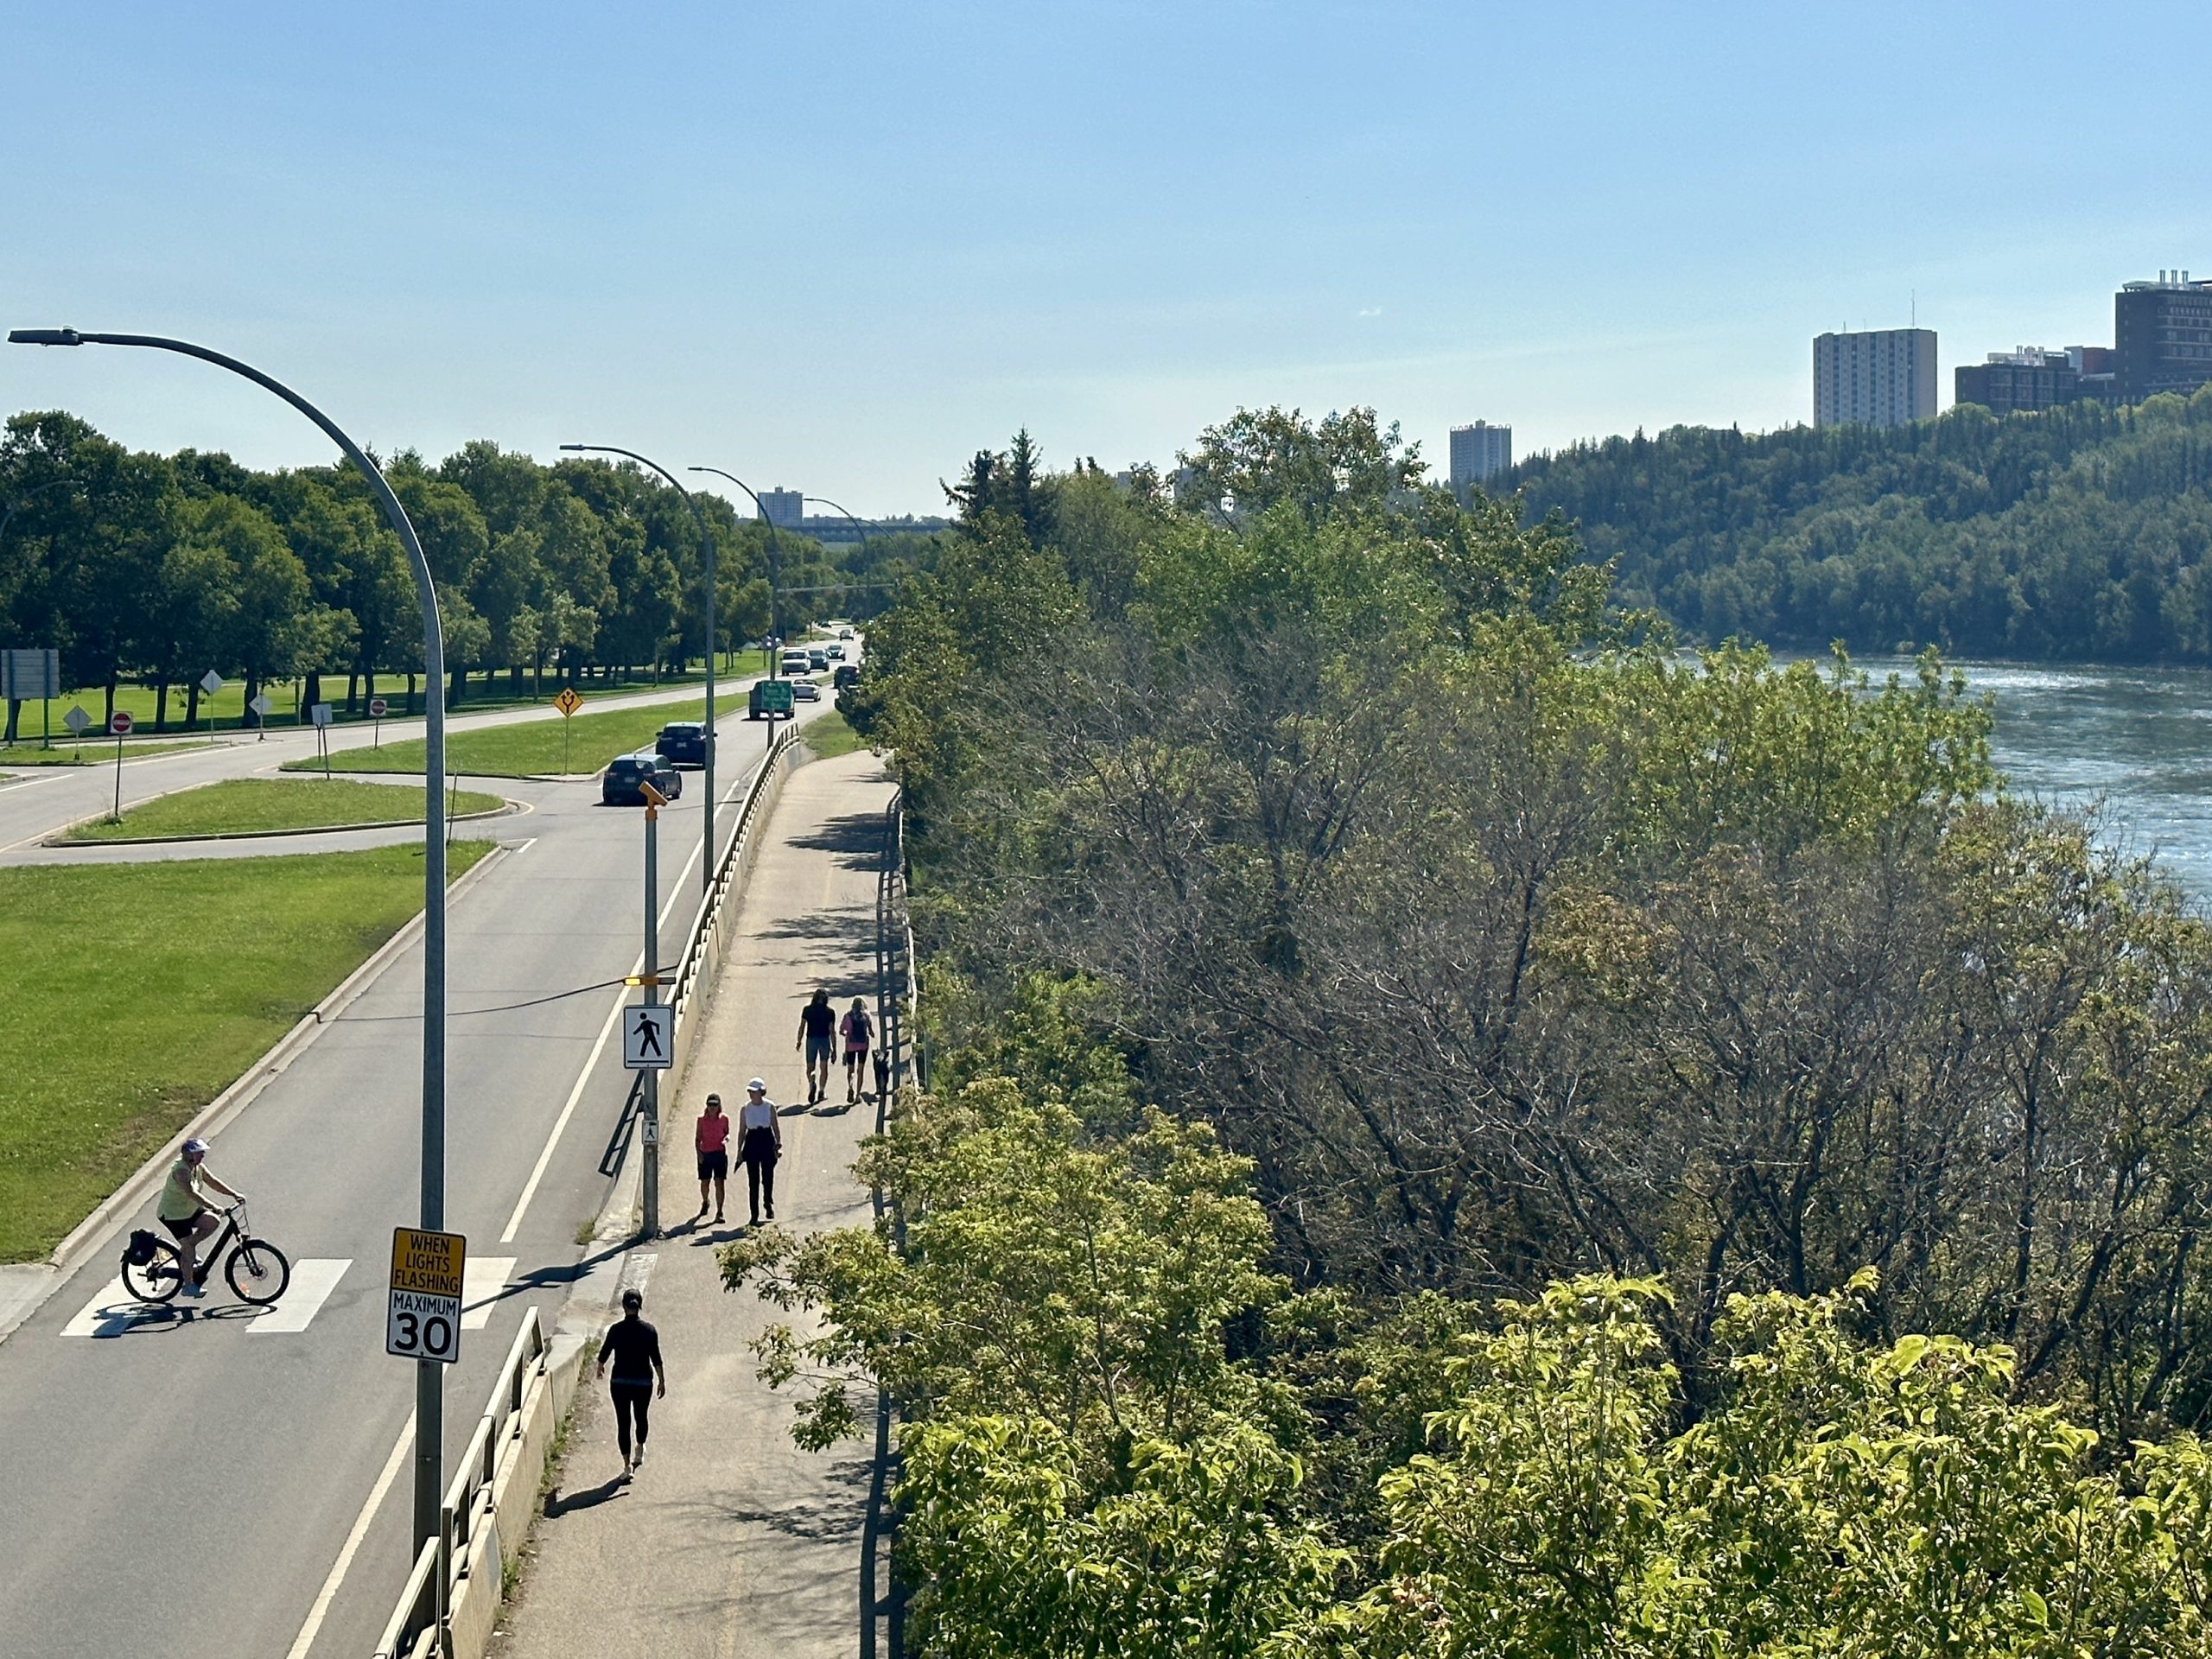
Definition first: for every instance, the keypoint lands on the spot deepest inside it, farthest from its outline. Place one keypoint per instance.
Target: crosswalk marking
(482, 1278)
(312, 1283)
(115, 1312)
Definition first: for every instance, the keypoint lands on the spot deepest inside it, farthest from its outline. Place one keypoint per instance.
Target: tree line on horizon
(1456, 1130)
(156, 567)
(2079, 533)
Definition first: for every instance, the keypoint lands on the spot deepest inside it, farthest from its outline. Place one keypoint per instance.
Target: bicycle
(257, 1270)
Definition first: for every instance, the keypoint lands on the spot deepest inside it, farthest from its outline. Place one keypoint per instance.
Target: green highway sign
(776, 696)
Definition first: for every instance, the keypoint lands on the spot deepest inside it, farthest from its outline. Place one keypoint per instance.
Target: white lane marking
(115, 1310)
(312, 1283)
(328, 1593)
(482, 1278)
(591, 1064)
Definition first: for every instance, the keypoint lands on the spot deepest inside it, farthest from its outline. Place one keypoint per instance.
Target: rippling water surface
(2138, 739)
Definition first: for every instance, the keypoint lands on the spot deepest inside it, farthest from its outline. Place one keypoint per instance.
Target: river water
(2139, 740)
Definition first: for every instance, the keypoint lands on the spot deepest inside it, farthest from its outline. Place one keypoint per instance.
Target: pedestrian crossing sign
(649, 1037)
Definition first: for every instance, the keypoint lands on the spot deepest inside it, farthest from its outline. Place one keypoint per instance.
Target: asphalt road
(38, 801)
(181, 1485)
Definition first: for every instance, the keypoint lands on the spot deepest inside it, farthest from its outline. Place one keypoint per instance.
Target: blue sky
(839, 247)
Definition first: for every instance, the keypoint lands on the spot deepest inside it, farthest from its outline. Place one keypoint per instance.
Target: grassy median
(533, 748)
(135, 993)
(240, 806)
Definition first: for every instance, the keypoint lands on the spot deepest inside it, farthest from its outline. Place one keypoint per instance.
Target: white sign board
(211, 682)
(649, 1037)
(423, 1316)
(261, 705)
(76, 720)
(319, 713)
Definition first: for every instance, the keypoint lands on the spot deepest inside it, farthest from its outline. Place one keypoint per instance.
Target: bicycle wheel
(157, 1281)
(257, 1271)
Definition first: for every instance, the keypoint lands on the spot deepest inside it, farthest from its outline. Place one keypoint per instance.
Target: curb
(68, 1255)
(62, 838)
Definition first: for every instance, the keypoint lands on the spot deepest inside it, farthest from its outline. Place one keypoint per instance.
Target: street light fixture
(774, 564)
(707, 544)
(429, 1374)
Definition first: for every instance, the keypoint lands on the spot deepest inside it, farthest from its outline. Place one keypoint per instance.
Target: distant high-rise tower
(1883, 377)
(1479, 452)
(783, 508)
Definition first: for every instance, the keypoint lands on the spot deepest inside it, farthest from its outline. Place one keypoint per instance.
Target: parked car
(817, 659)
(627, 775)
(794, 662)
(847, 674)
(834, 653)
(806, 691)
(682, 743)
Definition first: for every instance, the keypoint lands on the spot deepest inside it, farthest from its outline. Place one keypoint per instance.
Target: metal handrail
(442, 1563)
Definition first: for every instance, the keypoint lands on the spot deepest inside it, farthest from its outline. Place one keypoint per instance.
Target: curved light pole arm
(428, 1374)
(707, 548)
(775, 565)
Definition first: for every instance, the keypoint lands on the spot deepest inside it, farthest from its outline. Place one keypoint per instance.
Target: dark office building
(2010, 381)
(2161, 336)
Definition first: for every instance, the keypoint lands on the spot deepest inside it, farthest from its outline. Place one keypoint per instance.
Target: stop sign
(376, 706)
(119, 724)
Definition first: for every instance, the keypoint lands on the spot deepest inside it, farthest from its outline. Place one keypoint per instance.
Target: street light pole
(707, 545)
(774, 564)
(430, 1403)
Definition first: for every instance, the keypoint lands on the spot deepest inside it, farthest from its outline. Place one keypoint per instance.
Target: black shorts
(183, 1229)
(714, 1165)
(819, 1050)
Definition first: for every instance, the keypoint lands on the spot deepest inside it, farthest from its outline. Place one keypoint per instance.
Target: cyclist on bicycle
(184, 1209)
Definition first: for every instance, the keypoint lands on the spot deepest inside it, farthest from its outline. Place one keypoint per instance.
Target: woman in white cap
(184, 1209)
(760, 1142)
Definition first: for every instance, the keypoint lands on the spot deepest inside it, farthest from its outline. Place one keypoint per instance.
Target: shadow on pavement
(559, 1504)
(857, 837)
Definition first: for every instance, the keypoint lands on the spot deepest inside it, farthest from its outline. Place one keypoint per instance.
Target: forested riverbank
(2082, 533)
(1456, 1132)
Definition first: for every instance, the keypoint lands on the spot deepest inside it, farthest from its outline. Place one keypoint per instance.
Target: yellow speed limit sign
(567, 702)
(422, 1319)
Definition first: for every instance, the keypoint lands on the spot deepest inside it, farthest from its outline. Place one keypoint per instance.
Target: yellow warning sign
(567, 702)
(427, 1264)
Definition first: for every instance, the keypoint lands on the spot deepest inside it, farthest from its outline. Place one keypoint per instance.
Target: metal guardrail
(418, 1623)
(882, 1599)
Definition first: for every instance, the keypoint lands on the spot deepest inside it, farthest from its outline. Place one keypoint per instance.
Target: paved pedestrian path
(730, 1542)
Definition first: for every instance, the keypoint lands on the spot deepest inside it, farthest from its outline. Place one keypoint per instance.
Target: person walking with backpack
(759, 1143)
(858, 1031)
(710, 1140)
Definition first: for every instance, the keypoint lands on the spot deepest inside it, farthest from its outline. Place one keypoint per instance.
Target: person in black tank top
(634, 1347)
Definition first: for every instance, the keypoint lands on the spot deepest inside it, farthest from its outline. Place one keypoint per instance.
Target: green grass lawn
(227, 707)
(832, 735)
(238, 806)
(534, 747)
(97, 753)
(136, 993)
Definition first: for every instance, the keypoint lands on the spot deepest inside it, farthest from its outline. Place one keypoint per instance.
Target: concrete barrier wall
(511, 1503)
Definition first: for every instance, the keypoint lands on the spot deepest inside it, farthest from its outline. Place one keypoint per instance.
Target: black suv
(627, 774)
(682, 743)
(847, 674)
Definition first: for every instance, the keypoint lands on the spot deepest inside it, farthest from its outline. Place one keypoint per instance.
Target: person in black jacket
(635, 1347)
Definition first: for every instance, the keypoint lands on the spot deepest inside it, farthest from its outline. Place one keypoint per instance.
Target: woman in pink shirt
(711, 1140)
